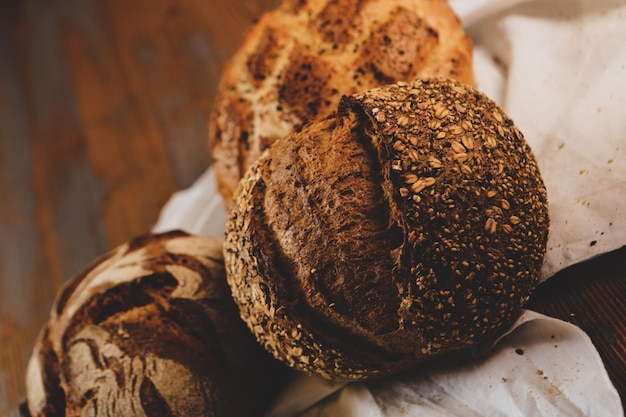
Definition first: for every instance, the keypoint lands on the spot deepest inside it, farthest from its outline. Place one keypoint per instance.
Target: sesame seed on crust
(363, 243)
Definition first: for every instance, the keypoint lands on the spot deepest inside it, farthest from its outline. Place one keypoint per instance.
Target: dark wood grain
(103, 109)
(592, 295)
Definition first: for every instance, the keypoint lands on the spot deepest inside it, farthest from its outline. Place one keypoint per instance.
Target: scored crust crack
(409, 225)
(297, 61)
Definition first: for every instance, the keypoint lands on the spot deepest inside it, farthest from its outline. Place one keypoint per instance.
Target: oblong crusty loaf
(297, 61)
(150, 330)
(410, 225)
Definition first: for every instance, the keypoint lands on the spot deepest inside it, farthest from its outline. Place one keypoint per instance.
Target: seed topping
(468, 142)
(458, 147)
(455, 163)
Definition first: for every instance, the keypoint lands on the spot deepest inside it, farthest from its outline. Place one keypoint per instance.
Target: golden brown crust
(150, 329)
(298, 60)
(410, 225)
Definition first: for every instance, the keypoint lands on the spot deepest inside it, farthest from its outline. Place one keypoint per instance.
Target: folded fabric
(543, 367)
(559, 69)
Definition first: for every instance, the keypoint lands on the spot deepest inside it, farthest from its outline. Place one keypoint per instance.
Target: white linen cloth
(543, 368)
(558, 67)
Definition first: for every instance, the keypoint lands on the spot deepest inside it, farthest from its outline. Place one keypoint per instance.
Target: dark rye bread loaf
(410, 225)
(150, 330)
(297, 61)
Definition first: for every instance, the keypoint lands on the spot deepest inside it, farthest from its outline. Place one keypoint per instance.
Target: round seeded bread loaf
(410, 225)
(297, 61)
(150, 330)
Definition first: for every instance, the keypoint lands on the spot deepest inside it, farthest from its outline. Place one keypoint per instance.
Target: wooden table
(103, 109)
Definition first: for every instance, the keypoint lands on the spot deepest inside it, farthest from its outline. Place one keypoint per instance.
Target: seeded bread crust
(298, 60)
(410, 225)
(150, 330)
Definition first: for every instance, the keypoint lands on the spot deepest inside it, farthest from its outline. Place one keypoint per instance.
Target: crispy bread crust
(297, 61)
(411, 224)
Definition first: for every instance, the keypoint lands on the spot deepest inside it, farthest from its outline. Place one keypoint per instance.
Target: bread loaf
(297, 61)
(410, 225)
(150, 330)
